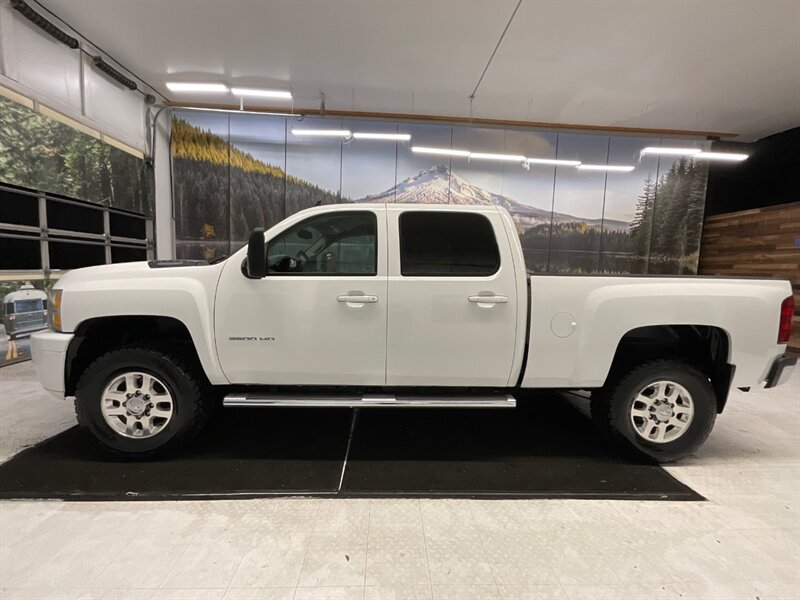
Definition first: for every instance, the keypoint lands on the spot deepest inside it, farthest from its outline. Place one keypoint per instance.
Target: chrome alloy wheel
(136, 405)
(662, 411)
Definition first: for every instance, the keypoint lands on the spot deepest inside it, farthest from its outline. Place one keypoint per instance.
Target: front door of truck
(453, 301)
(319, 316)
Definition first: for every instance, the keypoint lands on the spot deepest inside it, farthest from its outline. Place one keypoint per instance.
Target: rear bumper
(780, 370)
(49, 354)
(23, 329)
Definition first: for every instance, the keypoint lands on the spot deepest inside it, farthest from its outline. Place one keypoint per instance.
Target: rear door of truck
(453, 298)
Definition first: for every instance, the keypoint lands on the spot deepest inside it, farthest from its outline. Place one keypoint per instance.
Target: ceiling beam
(471, 121)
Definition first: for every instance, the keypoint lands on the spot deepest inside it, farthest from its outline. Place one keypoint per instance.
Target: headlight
(55, 310)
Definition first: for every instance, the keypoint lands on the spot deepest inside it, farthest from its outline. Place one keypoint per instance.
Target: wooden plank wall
(763, 242)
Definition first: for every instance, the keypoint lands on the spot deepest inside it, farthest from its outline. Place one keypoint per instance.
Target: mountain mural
(439, 185)
(221, 191)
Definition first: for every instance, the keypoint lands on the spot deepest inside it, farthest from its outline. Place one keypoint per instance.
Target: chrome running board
(370, 400)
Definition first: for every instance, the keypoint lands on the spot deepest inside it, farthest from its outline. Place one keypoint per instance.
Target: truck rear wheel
(141, 402)
(664, 409)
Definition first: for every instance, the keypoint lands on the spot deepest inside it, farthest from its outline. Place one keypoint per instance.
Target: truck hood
(133, 270)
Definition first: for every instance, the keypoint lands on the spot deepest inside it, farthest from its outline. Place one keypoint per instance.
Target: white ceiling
(727, 66)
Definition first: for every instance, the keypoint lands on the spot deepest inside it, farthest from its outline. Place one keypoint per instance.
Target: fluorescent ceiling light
(363, 135)
(323, 132)
(444, 151)
(720, 156)
(486, 156)
(552, 161)
(239, 91)
(671, 151)
(179, 86)
(620, 168)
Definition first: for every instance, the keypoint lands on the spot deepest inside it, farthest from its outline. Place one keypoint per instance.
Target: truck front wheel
(141, 402)
(664, 409)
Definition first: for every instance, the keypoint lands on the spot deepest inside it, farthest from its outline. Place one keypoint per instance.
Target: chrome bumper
(49, 354)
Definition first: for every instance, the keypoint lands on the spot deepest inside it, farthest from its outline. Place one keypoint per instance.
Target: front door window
(330, 244)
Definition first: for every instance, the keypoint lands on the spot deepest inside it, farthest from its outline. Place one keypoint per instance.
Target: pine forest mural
(65, 161)
(232, 173)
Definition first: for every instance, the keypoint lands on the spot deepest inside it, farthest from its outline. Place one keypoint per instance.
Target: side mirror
(256, 255)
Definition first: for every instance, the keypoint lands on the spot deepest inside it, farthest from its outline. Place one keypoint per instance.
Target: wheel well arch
(94, 337)
(706, 347)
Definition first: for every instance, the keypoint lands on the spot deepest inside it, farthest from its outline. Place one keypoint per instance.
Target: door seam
(386, 281)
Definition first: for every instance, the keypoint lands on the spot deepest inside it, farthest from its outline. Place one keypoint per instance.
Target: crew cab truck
(402, 305)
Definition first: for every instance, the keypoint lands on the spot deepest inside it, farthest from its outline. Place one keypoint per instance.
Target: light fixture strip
(504, 157)
(617, 168)
(364, 135)
(241, 91)
(670, 151)
(439, 151)
(322, 132)
(552, 161)
(181, 86)
(727, 156)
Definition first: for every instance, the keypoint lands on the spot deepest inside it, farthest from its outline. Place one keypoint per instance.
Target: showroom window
(442, 244)
(342, 243)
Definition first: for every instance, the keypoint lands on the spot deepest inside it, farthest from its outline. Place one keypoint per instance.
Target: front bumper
(780, 370)
(49, 354)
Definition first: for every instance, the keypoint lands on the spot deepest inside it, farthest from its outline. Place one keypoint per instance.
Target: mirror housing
(256, 255)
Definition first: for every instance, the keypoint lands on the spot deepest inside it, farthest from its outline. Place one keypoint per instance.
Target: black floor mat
(542, 449)
(246, 452)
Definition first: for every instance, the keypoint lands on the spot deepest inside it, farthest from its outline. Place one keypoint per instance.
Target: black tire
(191, 393)
(611, 408)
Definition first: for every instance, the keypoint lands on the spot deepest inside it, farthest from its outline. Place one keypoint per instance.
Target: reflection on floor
(743, 543)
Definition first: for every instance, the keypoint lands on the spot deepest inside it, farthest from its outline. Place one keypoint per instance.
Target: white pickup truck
(402, 305)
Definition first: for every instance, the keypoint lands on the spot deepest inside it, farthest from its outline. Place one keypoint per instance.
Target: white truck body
(504, 330)
(422, 330)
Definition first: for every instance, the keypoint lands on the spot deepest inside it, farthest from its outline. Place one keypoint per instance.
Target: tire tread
(200, 410)
(602, 403)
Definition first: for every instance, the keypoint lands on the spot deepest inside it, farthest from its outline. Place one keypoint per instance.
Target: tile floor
(743, 543)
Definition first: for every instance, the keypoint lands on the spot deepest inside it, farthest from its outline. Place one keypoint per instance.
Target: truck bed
(577, 322)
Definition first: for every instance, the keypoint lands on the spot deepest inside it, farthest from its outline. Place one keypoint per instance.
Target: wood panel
(762, 242)
(453, 120)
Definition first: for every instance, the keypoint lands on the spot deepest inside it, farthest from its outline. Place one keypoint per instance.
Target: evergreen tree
(44, 154)
(695, 209)
(219, 185)
(643, 219)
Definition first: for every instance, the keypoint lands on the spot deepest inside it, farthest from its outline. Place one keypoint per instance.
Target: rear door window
(447, 244)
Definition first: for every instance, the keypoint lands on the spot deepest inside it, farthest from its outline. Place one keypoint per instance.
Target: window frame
(498, 261)
(299, 224)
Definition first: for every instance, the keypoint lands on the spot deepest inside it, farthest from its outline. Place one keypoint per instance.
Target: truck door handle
(488, 299)
(358, 299)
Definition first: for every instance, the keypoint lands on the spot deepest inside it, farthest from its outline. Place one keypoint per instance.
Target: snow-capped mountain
(438, 185)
